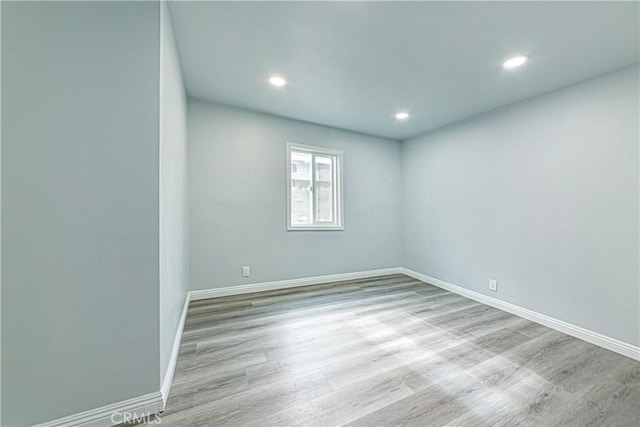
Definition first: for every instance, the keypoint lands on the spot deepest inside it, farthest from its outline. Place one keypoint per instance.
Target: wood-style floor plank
(388, 351)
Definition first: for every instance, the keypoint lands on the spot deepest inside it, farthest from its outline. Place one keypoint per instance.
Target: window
(314, 188)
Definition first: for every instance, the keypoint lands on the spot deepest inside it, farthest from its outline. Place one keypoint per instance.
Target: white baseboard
(138, 407)
(168, 376)
(100, 417)
(153, 403)
(604, 341)
(293, 283)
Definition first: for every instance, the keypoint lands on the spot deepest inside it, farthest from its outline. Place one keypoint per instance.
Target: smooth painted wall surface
(174, 246)
(0, 222)
(543, 197)
(80, 206)
(237, 199)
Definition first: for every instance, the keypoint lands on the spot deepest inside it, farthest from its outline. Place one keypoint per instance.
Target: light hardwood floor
(388, 351)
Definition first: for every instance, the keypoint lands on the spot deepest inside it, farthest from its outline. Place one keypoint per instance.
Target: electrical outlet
(493, 285)
(246, 271)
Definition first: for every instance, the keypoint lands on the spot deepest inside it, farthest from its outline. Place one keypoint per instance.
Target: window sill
(315, 228)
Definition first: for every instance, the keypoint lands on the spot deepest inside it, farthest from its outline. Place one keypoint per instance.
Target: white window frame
(338, 224)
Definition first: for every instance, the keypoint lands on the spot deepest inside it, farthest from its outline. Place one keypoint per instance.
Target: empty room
(320, 213)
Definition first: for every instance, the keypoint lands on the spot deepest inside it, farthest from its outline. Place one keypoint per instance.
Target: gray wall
(238, 206)
(80, 206)
(174, 263)
(0, 222)
(543, 197)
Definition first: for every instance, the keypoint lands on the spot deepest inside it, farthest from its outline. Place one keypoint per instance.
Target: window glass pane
(301, 195)
(315, 201)
(324, 199)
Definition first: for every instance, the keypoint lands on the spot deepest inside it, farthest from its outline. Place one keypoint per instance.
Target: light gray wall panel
(543, 197)
(237, 198)
(80, 206)
(174, 246)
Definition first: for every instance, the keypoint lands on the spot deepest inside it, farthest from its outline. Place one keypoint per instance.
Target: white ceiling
(352, 65)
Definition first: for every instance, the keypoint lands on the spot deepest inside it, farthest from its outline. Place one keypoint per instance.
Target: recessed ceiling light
(402, 115)
(514, 62)
(277, 81)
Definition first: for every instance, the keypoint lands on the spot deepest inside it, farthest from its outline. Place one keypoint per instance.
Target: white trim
(315, 227)
(600, 340)
(152, 403)
(338, 225)
(168, 376)
(284, 284)
(99, 417)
